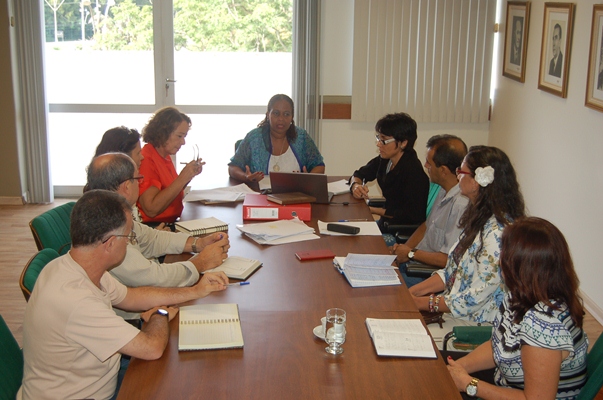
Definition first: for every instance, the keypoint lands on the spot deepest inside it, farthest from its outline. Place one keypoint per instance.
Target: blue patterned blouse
(256, 148)
(474, 288)
(541, 327)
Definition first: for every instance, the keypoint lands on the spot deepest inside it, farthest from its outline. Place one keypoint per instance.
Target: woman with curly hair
(538, 347)
(471, 285)
(162, 189)
(275, 145)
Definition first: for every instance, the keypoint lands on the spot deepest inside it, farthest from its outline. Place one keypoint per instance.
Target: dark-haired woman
(275, 145)
(121, 140)
(162, 189)
(538, 346)
(471, 284)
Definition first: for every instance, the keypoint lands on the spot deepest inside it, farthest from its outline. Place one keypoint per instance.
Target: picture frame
(516, 40)
(594, 83)
(556, 47)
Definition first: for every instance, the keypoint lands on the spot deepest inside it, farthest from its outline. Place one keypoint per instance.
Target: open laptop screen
(311, 184)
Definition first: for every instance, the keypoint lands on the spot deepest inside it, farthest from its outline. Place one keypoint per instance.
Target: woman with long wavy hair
(470, 287)
(538, 345)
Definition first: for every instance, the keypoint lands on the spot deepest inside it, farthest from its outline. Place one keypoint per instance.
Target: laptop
(311, 184)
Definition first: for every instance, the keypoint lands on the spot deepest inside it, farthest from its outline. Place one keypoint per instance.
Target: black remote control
(352, 230)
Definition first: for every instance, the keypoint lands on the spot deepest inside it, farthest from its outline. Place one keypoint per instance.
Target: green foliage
(199, 25)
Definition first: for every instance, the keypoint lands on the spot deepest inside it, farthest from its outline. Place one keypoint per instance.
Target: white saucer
(318, 332)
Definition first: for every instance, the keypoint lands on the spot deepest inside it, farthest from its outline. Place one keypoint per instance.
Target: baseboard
(592, 307)
(11, 201)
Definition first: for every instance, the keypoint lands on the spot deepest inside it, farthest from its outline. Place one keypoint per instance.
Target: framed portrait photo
(556, 48)
(594, 84)
(516, 40)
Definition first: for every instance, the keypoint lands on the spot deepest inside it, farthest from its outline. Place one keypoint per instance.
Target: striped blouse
(541, 327)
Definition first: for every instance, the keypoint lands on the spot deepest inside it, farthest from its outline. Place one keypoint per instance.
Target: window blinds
(429, 58)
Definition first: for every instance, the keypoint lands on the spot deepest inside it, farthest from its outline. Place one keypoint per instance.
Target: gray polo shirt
(442, 224)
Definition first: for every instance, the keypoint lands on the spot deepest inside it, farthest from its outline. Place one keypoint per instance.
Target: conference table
(283, 302)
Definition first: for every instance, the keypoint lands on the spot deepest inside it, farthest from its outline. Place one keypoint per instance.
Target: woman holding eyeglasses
(470, 287)
(162, 189)
(275, 145)
(398, 171)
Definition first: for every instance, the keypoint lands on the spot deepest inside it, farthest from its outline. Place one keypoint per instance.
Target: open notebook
(210, 326)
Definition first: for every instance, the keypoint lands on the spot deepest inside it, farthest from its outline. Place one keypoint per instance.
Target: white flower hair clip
(484, 176)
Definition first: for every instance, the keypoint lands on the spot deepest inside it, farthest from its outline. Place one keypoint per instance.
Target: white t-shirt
(71, 335)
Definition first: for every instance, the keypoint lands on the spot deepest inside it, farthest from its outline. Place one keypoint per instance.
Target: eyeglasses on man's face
(131, 238)
(138, 178)
(383, 141)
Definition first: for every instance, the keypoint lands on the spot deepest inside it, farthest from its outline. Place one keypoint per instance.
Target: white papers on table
(219, 195)
(367, 228)
(365, 270)
(400, 337)
(265, 183)
(278, 232)
(338, 187)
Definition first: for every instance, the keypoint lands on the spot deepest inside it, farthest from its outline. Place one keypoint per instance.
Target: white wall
(554, 143)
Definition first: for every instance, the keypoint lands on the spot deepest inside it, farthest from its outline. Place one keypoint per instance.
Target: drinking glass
(335, 330)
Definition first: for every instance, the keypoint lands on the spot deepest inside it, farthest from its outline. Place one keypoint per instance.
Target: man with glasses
(72, 339)
(118, 173)
(399, 174)
(434, 238)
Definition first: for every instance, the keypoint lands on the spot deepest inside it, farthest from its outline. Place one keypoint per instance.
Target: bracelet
(194, 245)
(431, 302)
(436, 306)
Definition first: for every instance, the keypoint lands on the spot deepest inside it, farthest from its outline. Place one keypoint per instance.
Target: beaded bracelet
(436, 306)
(431, 302)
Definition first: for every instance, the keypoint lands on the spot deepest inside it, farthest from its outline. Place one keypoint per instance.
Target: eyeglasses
(131, 238)
(138, 178)
(384, 142)
(459, 171)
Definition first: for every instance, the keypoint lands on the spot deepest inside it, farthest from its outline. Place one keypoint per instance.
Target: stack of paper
(364, 270)
(279, 232)
(339, 187)
(220, 195)
(400, 338)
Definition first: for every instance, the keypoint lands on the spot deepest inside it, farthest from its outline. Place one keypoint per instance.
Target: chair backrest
(594, 371)
(33, 268)
(52, 229)
(434, 189)
(11, 363)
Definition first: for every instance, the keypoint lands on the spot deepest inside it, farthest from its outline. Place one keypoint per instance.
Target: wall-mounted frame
(594, 83)
(556, 48)
(516, 40)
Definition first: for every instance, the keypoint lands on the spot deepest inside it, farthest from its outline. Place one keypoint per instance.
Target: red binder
(257, 207)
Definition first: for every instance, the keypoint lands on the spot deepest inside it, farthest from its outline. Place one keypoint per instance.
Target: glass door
(111, 63)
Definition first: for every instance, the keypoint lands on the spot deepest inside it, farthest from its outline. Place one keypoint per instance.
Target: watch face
(411, 254)
(471, 390)
(163, 312)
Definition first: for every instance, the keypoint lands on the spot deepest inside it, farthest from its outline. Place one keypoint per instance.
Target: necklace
(276, 167)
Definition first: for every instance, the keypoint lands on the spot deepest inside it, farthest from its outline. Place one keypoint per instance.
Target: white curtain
(32, 98)
(306, 62)
(429, 58)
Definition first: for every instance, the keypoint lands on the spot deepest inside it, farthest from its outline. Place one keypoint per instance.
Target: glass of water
(335, 330)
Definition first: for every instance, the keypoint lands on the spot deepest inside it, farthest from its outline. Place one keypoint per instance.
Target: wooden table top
(279, 308)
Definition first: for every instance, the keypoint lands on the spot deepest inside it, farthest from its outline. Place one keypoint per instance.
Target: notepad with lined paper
(202, 226)
(210, 326)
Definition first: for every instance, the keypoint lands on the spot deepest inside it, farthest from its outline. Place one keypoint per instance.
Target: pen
(238, 284)
(349, 220)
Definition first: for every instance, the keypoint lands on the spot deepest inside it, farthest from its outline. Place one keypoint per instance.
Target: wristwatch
(163, 312)
(471, 388)
(411, 254)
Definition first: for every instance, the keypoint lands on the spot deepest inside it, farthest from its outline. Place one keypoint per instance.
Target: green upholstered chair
(594, 371)
(33, 268)
(52, 229)
(11, 363)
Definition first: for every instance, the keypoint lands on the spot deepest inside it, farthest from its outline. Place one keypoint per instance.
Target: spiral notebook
(203, 226)
(210, 326)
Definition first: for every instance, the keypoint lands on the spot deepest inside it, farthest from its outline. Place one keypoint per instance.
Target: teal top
(256, 148)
